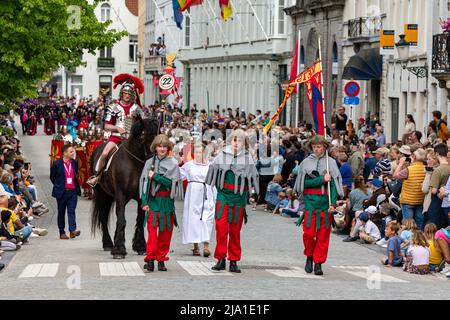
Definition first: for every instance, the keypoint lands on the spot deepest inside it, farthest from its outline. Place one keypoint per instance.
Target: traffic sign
(166, 82)
(352, 89)
(351, 100)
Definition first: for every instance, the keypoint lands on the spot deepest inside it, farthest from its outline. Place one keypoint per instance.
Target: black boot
(161, 266)
(149, 266)
(234, 267)
(309, 265)
(318, 269)
(220, 265)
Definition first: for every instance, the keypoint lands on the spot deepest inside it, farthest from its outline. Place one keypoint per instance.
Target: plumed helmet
(130, 84)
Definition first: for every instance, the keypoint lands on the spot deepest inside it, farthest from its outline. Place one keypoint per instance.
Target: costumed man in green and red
(159, 185)
(312, 182)
(234, 174)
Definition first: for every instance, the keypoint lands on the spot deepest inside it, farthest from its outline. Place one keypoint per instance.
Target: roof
(133, 6)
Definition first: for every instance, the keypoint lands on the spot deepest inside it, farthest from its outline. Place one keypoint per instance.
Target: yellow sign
(412, 35)
(387, 42)
(170, 57)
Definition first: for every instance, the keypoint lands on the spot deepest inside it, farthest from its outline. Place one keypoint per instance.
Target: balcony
(154, 64)
(105, 62)
(364, 28)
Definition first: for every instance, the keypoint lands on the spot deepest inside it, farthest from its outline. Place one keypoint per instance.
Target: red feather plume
(125, 77)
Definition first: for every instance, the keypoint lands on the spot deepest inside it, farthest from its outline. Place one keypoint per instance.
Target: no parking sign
(352, 90)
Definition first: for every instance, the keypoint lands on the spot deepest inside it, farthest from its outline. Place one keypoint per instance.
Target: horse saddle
(110, 157)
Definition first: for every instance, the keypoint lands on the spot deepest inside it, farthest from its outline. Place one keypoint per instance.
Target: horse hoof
(118, 256)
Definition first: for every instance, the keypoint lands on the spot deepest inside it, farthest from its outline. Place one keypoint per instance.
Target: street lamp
(135, 72)
(403, 54)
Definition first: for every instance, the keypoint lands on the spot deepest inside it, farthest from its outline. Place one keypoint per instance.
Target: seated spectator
(418, 258)
(369, 163)
(357, 223)
(442, 237)
(394, 257)
(291, 210)
(377, 189)
(9, 242)
(15, 227)
(356, 200)
(346, 173)
(273, 188)
(407, 228)
(282, 202)
(436, 259)
(368, 232)
(383, 166)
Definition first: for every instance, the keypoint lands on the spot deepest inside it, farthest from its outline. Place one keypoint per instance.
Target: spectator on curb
(418, 257)
(394, 257)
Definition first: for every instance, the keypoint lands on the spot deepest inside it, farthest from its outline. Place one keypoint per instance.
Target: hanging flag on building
(312, 77)
(294, 66)
(225, 9)
(190, 3)
(177, 15)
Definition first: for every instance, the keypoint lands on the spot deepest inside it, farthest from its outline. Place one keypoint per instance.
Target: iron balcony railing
(365, 27)
(105, 62)
(441, 53)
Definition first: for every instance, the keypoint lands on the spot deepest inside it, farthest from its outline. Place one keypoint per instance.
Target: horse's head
(144, 130)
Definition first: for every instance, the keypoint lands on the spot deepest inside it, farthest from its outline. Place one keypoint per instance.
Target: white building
(239, 63)
(402, 89)
(97, 76)
(160, 28)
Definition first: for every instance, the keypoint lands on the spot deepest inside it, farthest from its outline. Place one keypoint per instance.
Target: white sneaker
(30, 218)
(382, 241)
(34, 235)
(40, 232)
(384, 245)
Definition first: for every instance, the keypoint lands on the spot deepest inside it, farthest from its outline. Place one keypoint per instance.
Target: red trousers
(158, 242)
(228, 235)
(316, 242)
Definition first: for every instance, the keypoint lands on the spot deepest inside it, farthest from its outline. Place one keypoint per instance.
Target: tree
(39, 36)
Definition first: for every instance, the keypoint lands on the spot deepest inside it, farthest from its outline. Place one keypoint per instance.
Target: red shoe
(63, 237)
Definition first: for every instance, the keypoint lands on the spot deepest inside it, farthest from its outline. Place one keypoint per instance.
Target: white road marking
(120, 269)
(364, 272)
(201, 268)
(40, 270)
(294, 272)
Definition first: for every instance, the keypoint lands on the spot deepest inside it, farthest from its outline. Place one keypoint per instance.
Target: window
(302, 57)
(335, 59)
(187, 30)
(281, 16)
(105, 12)
(105, 52)
(76, 85)
(133, 48)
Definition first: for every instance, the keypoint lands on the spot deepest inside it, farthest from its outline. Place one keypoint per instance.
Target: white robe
(194, 229)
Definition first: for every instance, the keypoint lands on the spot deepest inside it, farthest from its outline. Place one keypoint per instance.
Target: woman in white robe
(199, 203)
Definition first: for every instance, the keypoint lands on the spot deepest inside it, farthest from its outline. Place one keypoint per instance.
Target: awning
(367, 64)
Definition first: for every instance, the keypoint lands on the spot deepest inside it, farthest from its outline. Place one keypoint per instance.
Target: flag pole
(324, 122)
(297, 111)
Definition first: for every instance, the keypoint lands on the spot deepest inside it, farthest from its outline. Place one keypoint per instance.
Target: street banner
(313, 79)
(56, 151)
(82, 168)
(226, 10)
(412, 36)
(387, 42)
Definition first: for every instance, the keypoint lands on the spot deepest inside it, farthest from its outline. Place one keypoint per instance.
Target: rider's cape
(168, 168)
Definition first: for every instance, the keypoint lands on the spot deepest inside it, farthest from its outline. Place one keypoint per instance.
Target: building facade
(239, 63)
(97, 76)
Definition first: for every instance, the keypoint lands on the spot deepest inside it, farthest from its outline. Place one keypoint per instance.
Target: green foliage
(38, 36)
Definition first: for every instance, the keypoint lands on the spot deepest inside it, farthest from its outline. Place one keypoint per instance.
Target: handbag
(395, 187)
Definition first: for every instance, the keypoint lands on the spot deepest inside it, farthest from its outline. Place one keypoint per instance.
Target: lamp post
(403, 54)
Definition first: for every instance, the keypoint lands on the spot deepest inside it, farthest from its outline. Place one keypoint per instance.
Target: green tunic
(317, 203)
(164, 205)
(234, 200)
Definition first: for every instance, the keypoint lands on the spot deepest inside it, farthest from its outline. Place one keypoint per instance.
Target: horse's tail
(102, 203)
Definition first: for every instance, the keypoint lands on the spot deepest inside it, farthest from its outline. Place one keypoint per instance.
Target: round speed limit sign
(166, 82)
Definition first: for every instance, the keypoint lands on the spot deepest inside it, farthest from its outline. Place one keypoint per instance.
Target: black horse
(120, 184)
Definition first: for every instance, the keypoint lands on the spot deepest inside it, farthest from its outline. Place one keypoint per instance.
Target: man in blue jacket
(66, 191)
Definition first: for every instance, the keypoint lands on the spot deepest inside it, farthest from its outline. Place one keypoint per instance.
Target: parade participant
(72, 126)
(32, 125)
(159, 184)
(66, 190)
(119, 117)
(312, 182)
(234, 173)
(198, 212)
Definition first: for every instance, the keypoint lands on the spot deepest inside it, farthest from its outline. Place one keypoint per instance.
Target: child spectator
(407, 229)
(273, 188)
(293, 207)
(394, 257)
(442, 237)
(436, 258)
(8, 240)
(369, 232)
(418, 258)
(283, 201)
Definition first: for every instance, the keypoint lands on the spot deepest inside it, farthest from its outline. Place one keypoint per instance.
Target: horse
(120, 184)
